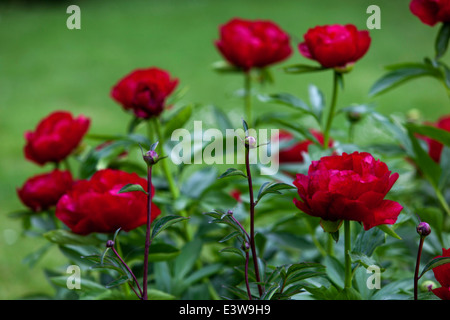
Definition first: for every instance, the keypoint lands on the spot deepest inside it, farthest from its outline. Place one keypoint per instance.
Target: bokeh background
(46, 67)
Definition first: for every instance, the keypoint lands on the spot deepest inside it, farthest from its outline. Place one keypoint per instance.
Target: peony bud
(151, 157)
(423, 229)
(250, 142)
(109, 243)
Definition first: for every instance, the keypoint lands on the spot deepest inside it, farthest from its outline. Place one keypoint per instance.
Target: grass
(44, 67)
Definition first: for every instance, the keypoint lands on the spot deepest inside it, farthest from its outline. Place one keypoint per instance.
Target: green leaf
(330, 226)
(272, 187)
(317, 99)
(292, 101)
(426, 164)
(163, 223)
(130, 187)
(162, 252)
(65, 237)
(177, 121)
(361, 258)
(399, 74)
(232, 172)
(442, 40)
(154, 294)
(118, 282)
(302, 68)
(434, 263)
(234, 251)
(348, 294)
(388, 230)
(434, 133)
(225, 67)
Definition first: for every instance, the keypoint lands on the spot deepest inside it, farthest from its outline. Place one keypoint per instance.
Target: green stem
(442, 200)
(416, 272)
(326, 134)
(172, 186)
(348, 261)
(248, 98)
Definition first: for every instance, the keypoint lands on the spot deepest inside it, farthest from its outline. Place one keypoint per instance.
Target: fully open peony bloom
(335, 46)
(348, 187)
(435, 147)
(96, 206)
(144, 91)
(55, 137)
(442, 275)
(250, 44)
(294, 152)
(43, 191)
(431, 12)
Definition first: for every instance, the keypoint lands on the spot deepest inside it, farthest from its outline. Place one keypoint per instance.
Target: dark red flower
(236, 194)
(43, 191)
(144, 91)
(55, 137)
(250, 44)
(442, 275)
(431, 12)
(294, 152)
(335, 46)
(348, 187)
(435, 147)
(96, 206)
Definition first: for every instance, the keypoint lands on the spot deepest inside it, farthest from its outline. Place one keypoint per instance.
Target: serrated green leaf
(130, 187)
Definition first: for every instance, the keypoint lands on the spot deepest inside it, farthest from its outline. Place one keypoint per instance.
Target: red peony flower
(335, 46)
(431, 12)
(294, 152)
(43, 191)
(55, 137)
(442, 275)
(250, 44)
(96, 206)
(144, 91)
(348, 187)
(435, 147)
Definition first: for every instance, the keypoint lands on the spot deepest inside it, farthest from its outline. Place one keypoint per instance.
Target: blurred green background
(45, 67)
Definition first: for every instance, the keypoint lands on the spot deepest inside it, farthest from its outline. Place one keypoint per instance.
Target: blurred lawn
(44, 67)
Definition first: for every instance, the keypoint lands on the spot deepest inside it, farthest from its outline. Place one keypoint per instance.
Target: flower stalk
(248, 96)
(326, 134)
(348, 261)
(252, 219)
(423, 229)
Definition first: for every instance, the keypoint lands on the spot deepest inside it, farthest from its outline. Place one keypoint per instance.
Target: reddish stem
(147, 235)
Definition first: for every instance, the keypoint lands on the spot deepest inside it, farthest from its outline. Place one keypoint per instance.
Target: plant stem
(248, 97)
(252, 221)
(326, 134)
(147, 234)
(172, 186)
(348, 262)
(416, 272)
(246, 275)
(129, 270)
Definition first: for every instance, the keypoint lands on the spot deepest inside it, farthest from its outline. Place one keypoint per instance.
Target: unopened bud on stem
(423, 229)
(250, 142)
